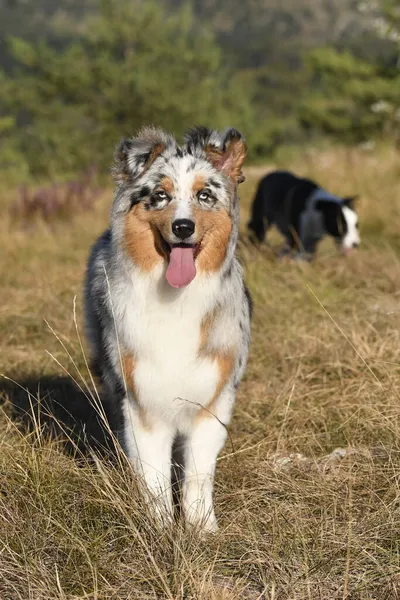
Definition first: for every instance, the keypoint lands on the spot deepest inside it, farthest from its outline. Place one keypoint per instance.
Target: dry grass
(56, 200)
(298, 519)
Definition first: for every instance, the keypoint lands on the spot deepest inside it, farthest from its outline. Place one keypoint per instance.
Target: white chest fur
(161, 328)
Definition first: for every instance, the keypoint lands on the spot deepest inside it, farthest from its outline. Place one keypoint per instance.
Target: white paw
(209, 526)
(204, 521)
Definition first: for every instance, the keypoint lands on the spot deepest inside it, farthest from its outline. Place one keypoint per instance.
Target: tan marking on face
(129, 365)
(142, 237)
(198, 184)
(167, 184)
(213, 229)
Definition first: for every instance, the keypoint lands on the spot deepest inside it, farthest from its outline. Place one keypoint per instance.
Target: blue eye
(205, 196)
(161, 195)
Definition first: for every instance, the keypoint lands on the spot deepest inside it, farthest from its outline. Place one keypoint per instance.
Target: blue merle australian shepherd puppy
(304, 213)
(167, 311)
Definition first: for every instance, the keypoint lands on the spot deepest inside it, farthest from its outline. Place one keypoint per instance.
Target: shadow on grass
(59, 410)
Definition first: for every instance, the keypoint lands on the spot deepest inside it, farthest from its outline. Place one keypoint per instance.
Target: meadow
(308, 485)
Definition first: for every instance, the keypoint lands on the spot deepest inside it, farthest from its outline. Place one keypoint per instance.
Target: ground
(307, 486)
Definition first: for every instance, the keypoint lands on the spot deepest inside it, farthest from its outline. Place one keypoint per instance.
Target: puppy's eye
(205, 196)
(161, 195)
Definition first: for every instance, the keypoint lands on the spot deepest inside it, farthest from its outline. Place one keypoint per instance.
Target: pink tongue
(181, 270)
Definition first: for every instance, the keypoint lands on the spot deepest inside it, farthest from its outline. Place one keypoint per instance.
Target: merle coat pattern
(167, 310)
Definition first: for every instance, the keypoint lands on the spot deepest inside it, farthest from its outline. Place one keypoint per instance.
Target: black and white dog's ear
(134, 156)
(329, 208)
(350, 200)
(225, 151)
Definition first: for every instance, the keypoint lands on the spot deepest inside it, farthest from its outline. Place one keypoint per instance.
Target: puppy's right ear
(135, 156)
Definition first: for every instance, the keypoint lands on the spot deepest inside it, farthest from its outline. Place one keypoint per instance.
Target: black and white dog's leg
(258, 229)
(290, 245)
(306, 250)
(286, 249)
(310, 232)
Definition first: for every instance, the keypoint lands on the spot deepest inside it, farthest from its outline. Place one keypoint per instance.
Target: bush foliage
(67, 93)
(355, 99)
(133, 64)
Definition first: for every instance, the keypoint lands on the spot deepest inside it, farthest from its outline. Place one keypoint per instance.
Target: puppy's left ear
(225, 151)
(350, 200)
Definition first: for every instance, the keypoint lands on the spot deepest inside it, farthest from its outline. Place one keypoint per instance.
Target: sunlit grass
(298, 520)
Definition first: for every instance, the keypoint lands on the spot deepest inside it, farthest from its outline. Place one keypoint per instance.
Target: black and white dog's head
(340, 220)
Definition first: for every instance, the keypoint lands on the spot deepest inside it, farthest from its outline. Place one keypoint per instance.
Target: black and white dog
(304, 213)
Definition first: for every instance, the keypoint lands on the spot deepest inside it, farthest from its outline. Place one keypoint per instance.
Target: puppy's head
(179, 203)
(341, 221)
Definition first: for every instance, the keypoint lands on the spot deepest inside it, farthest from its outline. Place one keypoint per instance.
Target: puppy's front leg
(149, 447)
(204, 443)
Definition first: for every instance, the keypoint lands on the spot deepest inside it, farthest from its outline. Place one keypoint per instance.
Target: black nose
(355, 244)
(183, 228)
